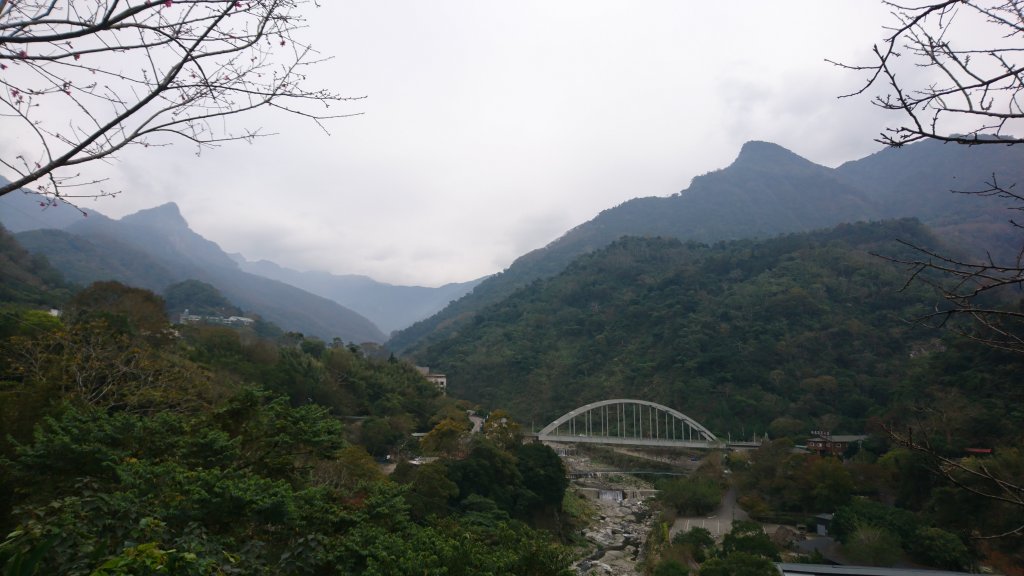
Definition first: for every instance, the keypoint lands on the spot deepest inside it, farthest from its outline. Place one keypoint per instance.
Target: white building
(439, 380)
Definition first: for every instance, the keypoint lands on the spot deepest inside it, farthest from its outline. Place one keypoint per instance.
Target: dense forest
(801, 332)
(131, 446)
(892, 505)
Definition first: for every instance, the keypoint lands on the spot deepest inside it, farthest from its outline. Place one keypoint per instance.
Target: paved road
(478, 423)
(718, 522)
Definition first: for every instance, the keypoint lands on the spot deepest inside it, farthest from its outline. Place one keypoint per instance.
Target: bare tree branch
(945, 87)
(954, 71)
(968, 95)
(985, 292)
(81, 80)
(970, 475)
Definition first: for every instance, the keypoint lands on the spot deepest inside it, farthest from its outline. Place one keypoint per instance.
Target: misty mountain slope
(767, 191)
(84, 261)
(920, 181)
(916, 180)
(390, 307)
(27, 278)
(805, 325)
(293, 308)
(100, 248)
(183, 254)
(22, 210)
(163, 233)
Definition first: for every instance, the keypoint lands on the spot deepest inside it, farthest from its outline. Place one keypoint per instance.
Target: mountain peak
(757, 153)
(761, 147)
(166, 215)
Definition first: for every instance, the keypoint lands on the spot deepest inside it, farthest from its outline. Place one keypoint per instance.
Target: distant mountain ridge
(23, 210)
(154, 248)
(96, 247)
(390, 307)
(767, 191)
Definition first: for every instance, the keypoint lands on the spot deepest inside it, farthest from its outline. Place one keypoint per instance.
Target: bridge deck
(630, 441)
(658, 442)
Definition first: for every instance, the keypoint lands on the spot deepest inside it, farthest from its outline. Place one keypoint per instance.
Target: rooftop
(827, 570)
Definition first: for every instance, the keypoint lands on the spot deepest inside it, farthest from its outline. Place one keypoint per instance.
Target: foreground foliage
(133, 449)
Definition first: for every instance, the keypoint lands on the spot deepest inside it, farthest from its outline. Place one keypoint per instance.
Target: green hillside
(129, 447)
(29, 288)
(27, 278)
(768, 191)
(85, 261)
(801, 331)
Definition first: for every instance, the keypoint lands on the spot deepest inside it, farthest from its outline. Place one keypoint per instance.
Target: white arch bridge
(632, 422)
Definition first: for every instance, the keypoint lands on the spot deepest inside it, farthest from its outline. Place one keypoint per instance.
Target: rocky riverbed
(618, 530)
(621, 518)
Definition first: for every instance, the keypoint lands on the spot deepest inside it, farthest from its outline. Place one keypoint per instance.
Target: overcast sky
(490, 129)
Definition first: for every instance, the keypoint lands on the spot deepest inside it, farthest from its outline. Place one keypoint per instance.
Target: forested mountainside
(86, 261)
(26, 278)
(129, 447)
(802, 331)
(767, 191)
(155, 248)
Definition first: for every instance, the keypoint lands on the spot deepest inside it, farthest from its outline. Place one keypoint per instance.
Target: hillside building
(832, 444)
(438, 380)
(786, 569)
(187, 318)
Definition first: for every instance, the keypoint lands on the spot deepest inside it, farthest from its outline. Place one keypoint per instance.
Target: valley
(779, 323)
(578, 288)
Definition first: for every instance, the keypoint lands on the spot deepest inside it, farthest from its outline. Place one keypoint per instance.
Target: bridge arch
(629, 421)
